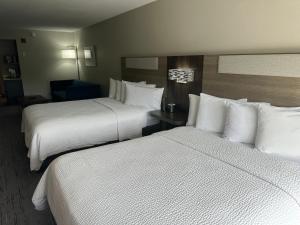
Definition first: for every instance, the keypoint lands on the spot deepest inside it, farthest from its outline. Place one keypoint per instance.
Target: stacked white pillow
(144, 96)
(193, 109)
(123, 90)
(211, 114)
(272, 130)
(117, 89)
(112, 88)
(241, 122)
(140, 84)
(278, 132)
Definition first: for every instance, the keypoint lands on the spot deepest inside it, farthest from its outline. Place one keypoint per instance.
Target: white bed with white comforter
(181, 176)
(57, 127)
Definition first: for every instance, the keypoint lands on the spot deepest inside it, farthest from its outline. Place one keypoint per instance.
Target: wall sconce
(68, 54)
(87, 53)
(71, 53)
(182, 75)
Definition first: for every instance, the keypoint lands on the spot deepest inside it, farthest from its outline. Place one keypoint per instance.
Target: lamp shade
(69, 54)
(183, 75)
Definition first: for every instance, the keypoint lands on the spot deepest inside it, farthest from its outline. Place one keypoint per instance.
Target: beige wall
(40, 58)
(179, 27)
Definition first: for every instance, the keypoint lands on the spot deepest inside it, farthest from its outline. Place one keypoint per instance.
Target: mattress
(57, 127)
(182, 176)
(151, 120)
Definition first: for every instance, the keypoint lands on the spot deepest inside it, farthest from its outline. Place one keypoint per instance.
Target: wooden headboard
(151, 76)
(280, 91)
(156, 72)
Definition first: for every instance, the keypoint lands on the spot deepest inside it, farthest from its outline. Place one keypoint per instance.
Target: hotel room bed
(181, 176)
(58, 127)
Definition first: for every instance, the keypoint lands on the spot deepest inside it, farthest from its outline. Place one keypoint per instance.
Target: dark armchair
(68, 90)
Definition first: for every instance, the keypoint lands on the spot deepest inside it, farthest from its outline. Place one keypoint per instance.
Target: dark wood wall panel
(280, 91)
(178, 93)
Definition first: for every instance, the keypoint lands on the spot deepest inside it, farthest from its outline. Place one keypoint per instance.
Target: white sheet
(57, 127)
(182, 176)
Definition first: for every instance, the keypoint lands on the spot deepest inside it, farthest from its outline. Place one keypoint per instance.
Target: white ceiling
(68, 15)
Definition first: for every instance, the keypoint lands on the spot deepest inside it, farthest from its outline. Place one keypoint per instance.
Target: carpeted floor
(17, 183)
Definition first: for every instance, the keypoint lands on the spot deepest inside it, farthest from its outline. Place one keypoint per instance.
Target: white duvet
(57, 127)
(183, 176)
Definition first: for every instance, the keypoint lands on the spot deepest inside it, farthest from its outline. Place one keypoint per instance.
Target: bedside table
(167, 121)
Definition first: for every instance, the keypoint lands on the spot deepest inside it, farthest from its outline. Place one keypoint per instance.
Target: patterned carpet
(17, 183)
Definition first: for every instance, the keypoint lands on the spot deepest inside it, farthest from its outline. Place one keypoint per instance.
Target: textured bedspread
(57, 127)
(183, 176)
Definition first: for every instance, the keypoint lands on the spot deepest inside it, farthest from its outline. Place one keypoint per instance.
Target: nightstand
(167, 121)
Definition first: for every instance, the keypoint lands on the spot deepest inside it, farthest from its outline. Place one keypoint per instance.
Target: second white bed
(57, 127)
(181, 176)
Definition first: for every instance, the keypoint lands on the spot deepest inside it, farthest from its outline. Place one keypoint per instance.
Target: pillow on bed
(241, 122)
(118, 90)
(141, 84)
(112, 88)
(278, 131)
(212, 113)
(144, 96)
(193, 109)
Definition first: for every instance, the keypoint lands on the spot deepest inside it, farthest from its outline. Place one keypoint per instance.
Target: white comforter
(57, 127)
(183, 176)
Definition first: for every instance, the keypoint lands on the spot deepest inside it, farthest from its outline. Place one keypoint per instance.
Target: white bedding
(183, 176)
(57, 127)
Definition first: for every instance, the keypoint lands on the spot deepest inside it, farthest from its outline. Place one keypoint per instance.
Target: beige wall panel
(280, 91)
(282, 65)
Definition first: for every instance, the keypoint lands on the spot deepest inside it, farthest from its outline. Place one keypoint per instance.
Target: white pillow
(112, 88)
(118, 90)
(144, 96)
(193, 109)
(212, 113)
(241, 122)
(278, 131)
(140, 84)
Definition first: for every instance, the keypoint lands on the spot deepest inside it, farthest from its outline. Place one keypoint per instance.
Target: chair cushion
(60, 94)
